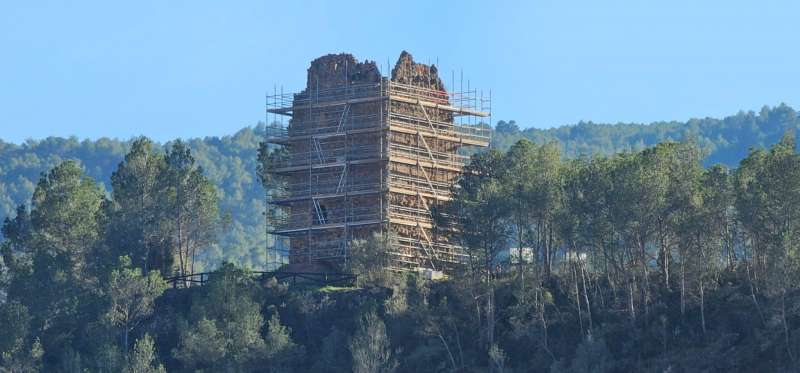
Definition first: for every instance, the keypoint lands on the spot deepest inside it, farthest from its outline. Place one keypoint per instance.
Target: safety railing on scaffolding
(326, 156)
(468, 103)
(312, 217)
(328, 188)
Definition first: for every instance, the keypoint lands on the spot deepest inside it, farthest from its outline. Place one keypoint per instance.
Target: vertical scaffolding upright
(365, 153)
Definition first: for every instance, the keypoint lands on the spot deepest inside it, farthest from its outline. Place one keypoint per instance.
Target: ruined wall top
(335, 70)
(407, 71)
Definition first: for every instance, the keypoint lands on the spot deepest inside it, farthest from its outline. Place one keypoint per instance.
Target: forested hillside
(230, 161)
(636, 262)
(724, 141)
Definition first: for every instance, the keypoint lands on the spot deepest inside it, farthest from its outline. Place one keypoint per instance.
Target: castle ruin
(364, 153)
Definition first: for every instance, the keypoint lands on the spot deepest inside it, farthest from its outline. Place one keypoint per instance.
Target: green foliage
(648, 233)
(192, 206)
(768, 189)
(144, 359)
(23, 361)
(334, 354)
(163, 208)
(201, 346)
(725, 141)
(17, 352)
(369, 258)
(637, 261)
(135, 213)
(229, 163)
(63, 212)
(590, 356)
(478, 208)
(282, 353)
(132, 296)
(50, 254)
(498, 359)
(370, 346)
(224, 330)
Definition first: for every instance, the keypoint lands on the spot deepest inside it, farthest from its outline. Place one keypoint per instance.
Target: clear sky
(170, 69)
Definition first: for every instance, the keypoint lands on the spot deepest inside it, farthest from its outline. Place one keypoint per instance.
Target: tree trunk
(490, 316)
(447, 348)
(125, 334)
(520, 265)
(586, 297)
(630, 298)
(702, 308)
(755, 300)
(683, 287)
(578, 297)
(460, 349)
(543, 319)
(645, 289)
(786, 325)
(665, 259)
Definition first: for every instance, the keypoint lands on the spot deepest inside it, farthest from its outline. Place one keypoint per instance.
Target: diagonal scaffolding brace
(346, 110)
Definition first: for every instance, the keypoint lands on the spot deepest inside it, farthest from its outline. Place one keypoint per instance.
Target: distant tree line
(723, 141)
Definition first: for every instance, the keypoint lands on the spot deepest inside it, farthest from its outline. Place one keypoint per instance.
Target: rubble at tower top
(336, 70)
(407, 71)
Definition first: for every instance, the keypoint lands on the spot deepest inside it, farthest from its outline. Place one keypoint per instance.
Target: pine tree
(132, 296)
(370, 346)
(143, 359)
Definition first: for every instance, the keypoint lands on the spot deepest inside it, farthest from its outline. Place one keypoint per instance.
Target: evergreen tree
(370, 346)
(144, 358)
(132, 295)
(52, 255)
(192, 209)
(137, 211)
(282, 353)
(224, 330)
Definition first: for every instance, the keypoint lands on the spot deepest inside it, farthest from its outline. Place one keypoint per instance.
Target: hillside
(230, 161)
(725, 141)
(638, 262)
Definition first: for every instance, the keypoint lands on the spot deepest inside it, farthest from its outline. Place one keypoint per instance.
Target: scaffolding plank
(410, 223)
(452, 109)
(289, 110)
(420, 130)
(414, 193)
(285, 140)
(414, 162)
(305, 167)
(307, 196)
(332, 226)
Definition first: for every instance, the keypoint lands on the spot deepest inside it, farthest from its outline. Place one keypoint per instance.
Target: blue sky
(170, 69)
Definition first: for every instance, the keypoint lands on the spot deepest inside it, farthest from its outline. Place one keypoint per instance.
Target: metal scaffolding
(360, 158)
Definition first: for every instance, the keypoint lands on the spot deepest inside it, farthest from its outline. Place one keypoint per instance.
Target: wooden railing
(316, 278)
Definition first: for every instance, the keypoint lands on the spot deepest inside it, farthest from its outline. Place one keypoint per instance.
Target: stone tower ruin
(364, 153)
